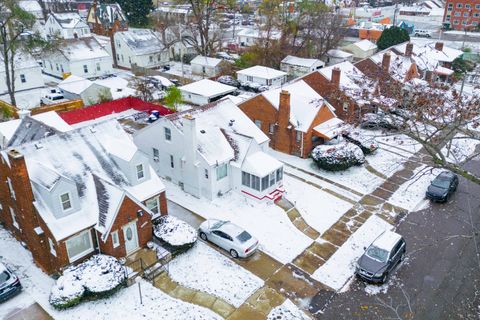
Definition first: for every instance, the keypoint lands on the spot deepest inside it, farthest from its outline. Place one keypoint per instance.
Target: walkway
(34, 311)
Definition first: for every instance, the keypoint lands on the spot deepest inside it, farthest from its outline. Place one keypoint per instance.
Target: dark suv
(381, 257)
(442, 186)
(9, 283)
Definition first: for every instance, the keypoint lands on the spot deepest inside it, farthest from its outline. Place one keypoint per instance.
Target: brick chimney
(429, 76)
(284, 109)
(336, 73)
(386, 61)
(409, 49)
(439, 46)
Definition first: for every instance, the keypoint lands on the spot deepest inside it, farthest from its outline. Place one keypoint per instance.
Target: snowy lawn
(123, 305)
(319, 208)
(357, 178)
(204, 269)
(386, 162)
(341, 266)
(411, 194)
(398, 143)
(287, 311)
(267, 222)
(460, 149)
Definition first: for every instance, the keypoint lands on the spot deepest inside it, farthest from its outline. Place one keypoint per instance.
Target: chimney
(190, 137)
(409, 49)
(439, 46)
(22, 113)
(336, 72)
(386, 61)
(429, 76)
(284, 109)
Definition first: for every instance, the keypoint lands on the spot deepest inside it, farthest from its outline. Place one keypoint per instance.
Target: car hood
(436, 190)
(371, 265)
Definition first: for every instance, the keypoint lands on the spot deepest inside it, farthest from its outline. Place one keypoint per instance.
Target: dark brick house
(73, 194)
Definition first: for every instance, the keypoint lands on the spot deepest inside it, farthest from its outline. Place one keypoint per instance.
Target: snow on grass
(386, 162)
(125, 304)
(460, 149)
(357, 178)
(267, 222)
(319, 208)
(287, 311)
(411, 194)
(204, 269)
(398, 143)
(341, 266)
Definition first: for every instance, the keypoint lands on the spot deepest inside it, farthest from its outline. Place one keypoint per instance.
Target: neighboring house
(335, 56)
(119, 87)
(105, 18)
(297, 67)
(78, 193)
(247, 37)
(140, 47)
(361, 49)
(261, 75)
(205, 91)
(461, 14)
(206, 66)
(67, 25)
(295, 118)
(211, 150)
(28, 74)
(33, 7)
(83, 57)
(75, 87)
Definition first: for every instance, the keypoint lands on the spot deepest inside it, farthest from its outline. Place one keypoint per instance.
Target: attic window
(140, 173)
(65, 200)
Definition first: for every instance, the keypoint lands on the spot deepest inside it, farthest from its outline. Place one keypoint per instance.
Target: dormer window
(65, 200)
(140, 172)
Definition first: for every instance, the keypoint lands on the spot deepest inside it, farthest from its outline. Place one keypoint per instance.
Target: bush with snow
(98, 277)
(176, 235)
(338, 157)
(366, 143)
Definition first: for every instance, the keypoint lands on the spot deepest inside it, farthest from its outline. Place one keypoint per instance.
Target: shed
(297, 67)
(264, 76)
(206, 66)
(205, 91)
(361, 49)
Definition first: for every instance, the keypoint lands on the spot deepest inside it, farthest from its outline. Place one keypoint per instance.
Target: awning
(443, 71)
(331, 128)
(260, 164)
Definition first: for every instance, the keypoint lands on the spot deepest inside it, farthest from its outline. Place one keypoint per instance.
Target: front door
(131, 237)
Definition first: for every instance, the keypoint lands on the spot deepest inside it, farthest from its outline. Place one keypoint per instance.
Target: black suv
(381, 257)
(442, 186)
(9, 283)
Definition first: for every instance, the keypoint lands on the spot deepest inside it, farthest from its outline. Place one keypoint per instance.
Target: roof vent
(202, 131)
(231, 122)
(38, 145)
(92, 130)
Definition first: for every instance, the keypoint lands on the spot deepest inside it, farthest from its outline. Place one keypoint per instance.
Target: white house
(335, 56)
(297, 67)
(249, 36)
(261, 75)
(141, 47)
(205, 91)
(83, 57)
(67, 25)
(28, 74)
(33, 7)
(361, 49)
(211, 150)
(206, 66)
(75, 87)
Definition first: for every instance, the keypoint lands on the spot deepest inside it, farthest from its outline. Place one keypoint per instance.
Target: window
(457, 14)
(10, 187)
(476, 14)
(56, 65)
(85, 68)
(203, 70)
(455, 21)
(269, 82)
(298, 136)
(448, 18)
(465, 14)
(22, 78)
(279, 174)
(255, 183)
(245, 179)
(258, 123)
(459, 5)
(153, 205)
(249, 78)
(52, 247)
(14, 218)
(222, 171)
(115, 240)
(168, 134)
(140, 173)
(159, 58)
(79, 245)
(345, 106)
(206, 173)
(172, 163)
(450, 5)
(477, 6)
(272, 178)
(65, 200)
(98, 66)
(265, 183)
(150, 58)
(156, 153)
(118, 56)
(467, 6)
(251, 181)
(475, 23)
(464, 22)
(271, 128)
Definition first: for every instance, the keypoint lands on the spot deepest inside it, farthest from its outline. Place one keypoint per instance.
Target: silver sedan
(228, 236)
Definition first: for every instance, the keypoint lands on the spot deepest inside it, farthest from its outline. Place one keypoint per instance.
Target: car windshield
(218, 224)
(244, 236)
(4, 276)
(377, 254)
(441, 182)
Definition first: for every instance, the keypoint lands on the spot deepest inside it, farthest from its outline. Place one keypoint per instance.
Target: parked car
(9, 283)
(229, 80)
(378, 121)
(228, 236)
(53, 96)
(381, 257)
(442, 186)
(422, 33)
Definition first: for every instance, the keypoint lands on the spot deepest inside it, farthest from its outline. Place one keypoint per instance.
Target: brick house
(70, 195)
(462, 14)
(295, 118)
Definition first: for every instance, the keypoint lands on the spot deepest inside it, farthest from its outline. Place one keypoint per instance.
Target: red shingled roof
(115, 106)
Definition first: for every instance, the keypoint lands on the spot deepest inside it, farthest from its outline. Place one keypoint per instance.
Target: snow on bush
(338, 157)
(99, 276)
(175, 232)
(366, 143)
(287, 311)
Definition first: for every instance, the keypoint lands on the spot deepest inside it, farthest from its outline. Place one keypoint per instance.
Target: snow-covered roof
(443, 71)
(69, 20)
(337, 53)
(400, 65)
(305, 103)
(365, 45)
(118, 87)
(83, 49)
(141, 41)
(260, 164)
(81, 156)
(23, 60)
(387, 240)
(302, 62)
(164, 81)
(207, 88)
(256, 33)
(75, 84)
(427, 55)
(206, 61)
(262, 72)
(331, 128)
(30, 5)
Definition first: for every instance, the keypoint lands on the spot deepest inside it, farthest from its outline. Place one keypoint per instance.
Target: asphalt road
(454, 37)
(440, 278)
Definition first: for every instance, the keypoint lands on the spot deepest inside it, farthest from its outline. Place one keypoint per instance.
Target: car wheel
(234, 253)
(203, 236)
(385, 277)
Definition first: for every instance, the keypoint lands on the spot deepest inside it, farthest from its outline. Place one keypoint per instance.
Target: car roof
(447, 174)
(231, 229)
(387, 240)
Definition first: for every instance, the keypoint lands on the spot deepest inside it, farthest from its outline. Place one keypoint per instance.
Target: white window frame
(10, 187)
(156, 206)
(52, 247)
(81, 254)
(69, 201)
(14, 218)
(142, 171)
(222, 171)
(115, 239)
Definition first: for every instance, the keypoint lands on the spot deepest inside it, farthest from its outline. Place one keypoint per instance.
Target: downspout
(301, 146)
(98, 243)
